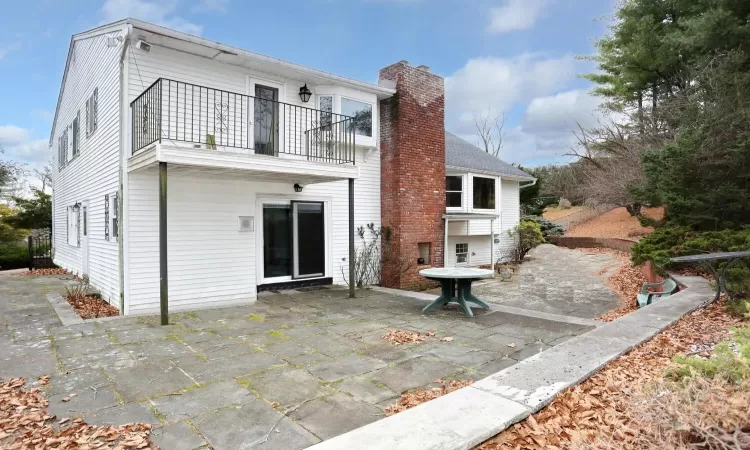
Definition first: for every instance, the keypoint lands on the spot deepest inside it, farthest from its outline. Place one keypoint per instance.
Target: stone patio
(288, 371)
(559, 281)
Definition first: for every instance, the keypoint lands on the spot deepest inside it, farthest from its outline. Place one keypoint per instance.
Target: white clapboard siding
(212, 263)
(478, 239)
(94, 172)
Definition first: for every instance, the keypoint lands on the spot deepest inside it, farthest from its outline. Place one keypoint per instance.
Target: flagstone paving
(288, 371)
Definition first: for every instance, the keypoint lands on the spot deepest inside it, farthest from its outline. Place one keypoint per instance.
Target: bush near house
(547, 227)
(13, 257)
(527, 235)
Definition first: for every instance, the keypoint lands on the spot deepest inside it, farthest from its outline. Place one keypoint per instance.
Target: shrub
(670, 241)
(14, 257)
(527, 235)
(564, 204)
(727, 363)
(548, 227)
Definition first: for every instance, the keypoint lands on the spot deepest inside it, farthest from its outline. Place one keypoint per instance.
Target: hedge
(14, 257)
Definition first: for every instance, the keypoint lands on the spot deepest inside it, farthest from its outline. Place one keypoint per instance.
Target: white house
(481, 203)
(190, 173)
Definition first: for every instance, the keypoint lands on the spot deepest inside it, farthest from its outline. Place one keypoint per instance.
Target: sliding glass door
(293, 240)
(309, 239)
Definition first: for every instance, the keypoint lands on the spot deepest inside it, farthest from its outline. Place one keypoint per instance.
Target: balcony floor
(240, 165)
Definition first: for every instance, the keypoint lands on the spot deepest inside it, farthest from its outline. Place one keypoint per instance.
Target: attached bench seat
(665, 289)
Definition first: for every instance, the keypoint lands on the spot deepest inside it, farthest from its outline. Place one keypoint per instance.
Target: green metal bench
(666, 288)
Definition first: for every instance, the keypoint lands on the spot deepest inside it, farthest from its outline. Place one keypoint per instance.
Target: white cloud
(211, 6)
(11, 135)
(160, 12)
(515, 15)
(536, 86)
(497, 84)
(562, 111)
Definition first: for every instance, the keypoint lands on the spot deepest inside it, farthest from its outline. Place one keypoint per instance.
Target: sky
(515, 58)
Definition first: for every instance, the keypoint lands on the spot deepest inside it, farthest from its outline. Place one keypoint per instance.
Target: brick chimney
(412, 173)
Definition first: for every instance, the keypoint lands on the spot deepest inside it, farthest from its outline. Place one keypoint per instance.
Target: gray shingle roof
(461, 154)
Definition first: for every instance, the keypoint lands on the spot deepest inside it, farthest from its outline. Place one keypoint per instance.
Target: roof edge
(351, 82)
(492, 172)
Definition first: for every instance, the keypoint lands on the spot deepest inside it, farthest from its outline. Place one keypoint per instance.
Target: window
(110, 217)
(106, 217)
(60, 154)
(453, 191)
(76, 134)
(115, 229)
(484, 193)
(92, 110)
(462, 253)
(74, 222)
(325, 103)
(361, 113)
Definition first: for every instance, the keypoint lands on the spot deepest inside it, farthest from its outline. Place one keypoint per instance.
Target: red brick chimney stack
(412, 145)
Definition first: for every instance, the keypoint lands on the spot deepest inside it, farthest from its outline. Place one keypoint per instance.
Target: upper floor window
(92, 113)
(76, 134)
(453, 191)
(361, 113)
(325, 103)
(484, 193)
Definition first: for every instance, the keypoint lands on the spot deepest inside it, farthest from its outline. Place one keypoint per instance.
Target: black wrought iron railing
(213, 119)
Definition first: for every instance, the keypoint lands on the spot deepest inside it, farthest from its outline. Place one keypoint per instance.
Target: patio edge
(64, 311)
(469, 416)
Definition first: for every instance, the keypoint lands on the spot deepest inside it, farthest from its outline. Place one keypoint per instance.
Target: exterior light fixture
(297, 187)
(304, 93)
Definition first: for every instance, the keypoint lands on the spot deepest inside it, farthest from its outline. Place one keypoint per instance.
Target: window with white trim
(484, 193)
(462, 253)
(74, 225)
(111, 231)
(454, 185)
(361, 113)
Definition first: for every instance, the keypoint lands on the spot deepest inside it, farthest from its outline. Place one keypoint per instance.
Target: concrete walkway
(558, 281)
(291, 370)
(469, 416)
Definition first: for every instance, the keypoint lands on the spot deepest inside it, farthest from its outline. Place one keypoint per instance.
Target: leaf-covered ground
(616, 224)
(89, 307)
(25, 424)
(603, 411)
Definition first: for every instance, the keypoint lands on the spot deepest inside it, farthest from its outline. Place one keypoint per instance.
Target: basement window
(424, 253)
(462, 253)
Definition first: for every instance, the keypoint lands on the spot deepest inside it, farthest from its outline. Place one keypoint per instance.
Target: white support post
(445, 244)
(492, 246)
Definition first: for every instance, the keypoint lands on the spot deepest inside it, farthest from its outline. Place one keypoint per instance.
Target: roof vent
(143, 46)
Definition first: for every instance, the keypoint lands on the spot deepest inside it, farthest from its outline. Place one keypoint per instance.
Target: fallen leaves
(447, 339)
(89, 307)
(419, 396)
(40, 272)
(25, 424)
(602, 412)
(398, 337)
(617, 223)
(626, 281)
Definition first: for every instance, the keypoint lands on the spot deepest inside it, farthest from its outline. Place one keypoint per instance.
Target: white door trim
(262, 199)
(252, 80)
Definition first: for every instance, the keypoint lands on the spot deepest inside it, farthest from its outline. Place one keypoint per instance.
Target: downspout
(123, 160)
(526, 185)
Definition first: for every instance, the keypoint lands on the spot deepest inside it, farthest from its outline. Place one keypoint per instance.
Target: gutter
(526, 185)
(121, 185)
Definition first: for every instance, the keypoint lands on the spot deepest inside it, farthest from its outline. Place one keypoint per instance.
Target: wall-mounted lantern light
(297, 187)
(305, 94)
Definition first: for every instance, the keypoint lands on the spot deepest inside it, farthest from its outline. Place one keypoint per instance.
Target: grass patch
(256, 317)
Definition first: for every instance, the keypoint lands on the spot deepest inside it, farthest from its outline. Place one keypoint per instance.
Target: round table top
(456, 272)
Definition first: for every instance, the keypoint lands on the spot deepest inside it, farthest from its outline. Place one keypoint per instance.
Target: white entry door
(85, 238)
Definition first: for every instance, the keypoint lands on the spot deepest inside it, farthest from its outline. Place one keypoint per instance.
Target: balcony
(208, 122)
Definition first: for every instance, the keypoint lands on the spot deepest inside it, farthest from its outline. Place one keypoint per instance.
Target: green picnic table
(455, 283)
